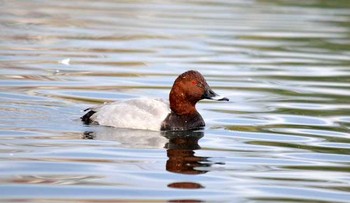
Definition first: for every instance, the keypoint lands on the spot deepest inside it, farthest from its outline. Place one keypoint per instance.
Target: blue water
(283, 137)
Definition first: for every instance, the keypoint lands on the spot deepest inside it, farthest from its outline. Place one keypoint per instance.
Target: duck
(179, 113)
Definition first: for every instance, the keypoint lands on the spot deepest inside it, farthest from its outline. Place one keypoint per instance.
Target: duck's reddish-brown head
(187, 90)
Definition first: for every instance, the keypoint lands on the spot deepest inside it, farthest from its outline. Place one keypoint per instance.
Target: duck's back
(142, 113)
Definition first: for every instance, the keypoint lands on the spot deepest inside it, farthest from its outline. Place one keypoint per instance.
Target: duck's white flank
(142, 113)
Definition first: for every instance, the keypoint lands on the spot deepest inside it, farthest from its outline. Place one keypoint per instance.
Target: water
(283, 137)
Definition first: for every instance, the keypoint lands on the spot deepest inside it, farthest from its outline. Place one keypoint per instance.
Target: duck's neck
(183, 116)
(180, 105)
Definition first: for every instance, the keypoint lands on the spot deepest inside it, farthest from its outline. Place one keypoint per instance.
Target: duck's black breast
(175, 122)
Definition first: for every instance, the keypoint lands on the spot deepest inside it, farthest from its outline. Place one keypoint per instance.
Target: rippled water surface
(283, 137)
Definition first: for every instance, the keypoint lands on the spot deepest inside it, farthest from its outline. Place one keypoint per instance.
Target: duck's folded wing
(137, 114)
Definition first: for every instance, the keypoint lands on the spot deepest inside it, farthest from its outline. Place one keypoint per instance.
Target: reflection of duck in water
(182, 159)
(180, 145)
(128, 138)
(181, 154)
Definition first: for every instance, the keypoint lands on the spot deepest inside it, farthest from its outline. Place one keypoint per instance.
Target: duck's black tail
(86, 118)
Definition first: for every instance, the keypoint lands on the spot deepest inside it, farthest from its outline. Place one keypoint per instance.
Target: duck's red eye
(194, 82)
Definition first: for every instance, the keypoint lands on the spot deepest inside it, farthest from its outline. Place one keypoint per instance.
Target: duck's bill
(210, 94)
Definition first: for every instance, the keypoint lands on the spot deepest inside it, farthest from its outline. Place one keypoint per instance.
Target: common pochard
(157, 114)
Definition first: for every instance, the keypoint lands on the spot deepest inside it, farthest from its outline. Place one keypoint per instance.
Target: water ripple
(284, 135)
